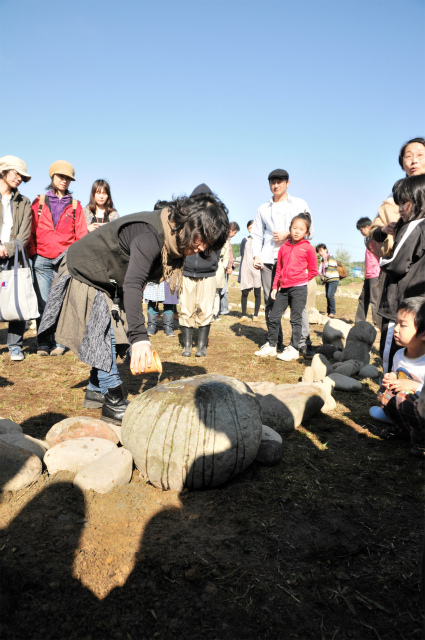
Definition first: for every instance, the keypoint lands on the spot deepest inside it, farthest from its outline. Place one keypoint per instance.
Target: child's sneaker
(266, 350)
(379, 414)
(289, 353)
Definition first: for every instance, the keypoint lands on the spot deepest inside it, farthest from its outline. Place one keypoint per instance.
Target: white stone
(369, 371)
(117, 430)
(335, 333)
(344, 383)
(33, 445)
(8, 426)
(320, 367)
(114, 469)
(18, 468)
(73, 455)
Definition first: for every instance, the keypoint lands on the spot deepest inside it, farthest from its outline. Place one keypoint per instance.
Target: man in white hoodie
(270, 230)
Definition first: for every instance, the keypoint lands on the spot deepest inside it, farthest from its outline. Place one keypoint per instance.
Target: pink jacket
(293, 262)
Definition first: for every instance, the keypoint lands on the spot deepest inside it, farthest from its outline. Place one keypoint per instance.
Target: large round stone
(196, 432)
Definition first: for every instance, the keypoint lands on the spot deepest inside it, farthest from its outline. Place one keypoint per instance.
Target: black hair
(250, 222)
(109, 205)
(51, 187)
(415, 306)
(406, 144)
(411, 189)
(160, 204)
(233, 226)
(202, 216)
(305, 217)
(321, 246)
(363, 222)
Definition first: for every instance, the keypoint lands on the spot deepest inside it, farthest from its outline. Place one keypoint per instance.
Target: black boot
(187, 340)
(152, 323)
(93, 399)
(114, 406)
(168, 321)
(202, 341)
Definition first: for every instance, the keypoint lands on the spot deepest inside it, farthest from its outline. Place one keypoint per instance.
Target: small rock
(337, 356)
(344, 383)
(73, 455)
(348, 368)
(18, 468)
(270, 451)
(327, 350)
(25, 442)
(114, 469)
(369, 371)
(80, 427)
(314, 316)
(335, 333)
(307, 375)
(359, 342)
(8, 426)
(320, 367)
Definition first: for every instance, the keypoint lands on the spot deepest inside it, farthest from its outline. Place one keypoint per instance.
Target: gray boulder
(18, 467)
(337, 356)
(344, 383)
(369, 371)
(348, 368)
(270, 451)
(8, 426)
(335, 332)
(33, 445)
(359, 342)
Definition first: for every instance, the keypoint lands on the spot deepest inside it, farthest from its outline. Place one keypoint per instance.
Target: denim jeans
(44, 274)
(15, 334)
(331, 288)
(105, 380)
(296, 298)
(224, 303)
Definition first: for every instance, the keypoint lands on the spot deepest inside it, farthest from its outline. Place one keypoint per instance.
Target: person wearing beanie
(15, 224)
(57, 222)
(270, 230)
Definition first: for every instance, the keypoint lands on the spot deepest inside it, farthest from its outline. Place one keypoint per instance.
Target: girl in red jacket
(57, 222)
(296, 266)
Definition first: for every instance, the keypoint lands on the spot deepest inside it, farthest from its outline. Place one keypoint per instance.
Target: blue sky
(159, 96)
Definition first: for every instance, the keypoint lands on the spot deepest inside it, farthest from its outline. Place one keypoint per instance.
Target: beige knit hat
(12, 162)
(62, 167)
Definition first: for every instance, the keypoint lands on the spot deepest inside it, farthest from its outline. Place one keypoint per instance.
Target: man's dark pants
(368, 296)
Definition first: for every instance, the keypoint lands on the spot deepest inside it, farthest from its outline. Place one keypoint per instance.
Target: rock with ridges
(196, 432)
(369, 371)
(80, 427)
(344, 383)
(23, 441)
(270, 451)
(359, 342)
(73, 455)
(114, 469)
(18, 467)
(320, 367)
(8, 426)
(335, 332)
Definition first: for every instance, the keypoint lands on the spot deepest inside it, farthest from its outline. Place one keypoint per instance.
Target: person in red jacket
(57, 222)
(296, 266)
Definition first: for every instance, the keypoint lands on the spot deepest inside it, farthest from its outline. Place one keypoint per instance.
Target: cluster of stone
(83, 446)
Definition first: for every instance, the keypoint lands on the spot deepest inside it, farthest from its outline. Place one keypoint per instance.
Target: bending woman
(100, 209)
(106, 271)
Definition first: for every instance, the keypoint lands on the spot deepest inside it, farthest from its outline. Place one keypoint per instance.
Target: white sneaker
(289, 353)
(266, 350)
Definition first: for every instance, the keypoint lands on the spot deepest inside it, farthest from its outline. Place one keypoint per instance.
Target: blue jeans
(224, 303)
(44, 274)
(105, 380)
(15, 334)
(331, 288)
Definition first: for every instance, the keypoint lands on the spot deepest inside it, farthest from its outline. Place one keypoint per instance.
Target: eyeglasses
(18, 175)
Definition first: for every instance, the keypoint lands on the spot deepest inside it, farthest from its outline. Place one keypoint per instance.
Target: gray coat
(21, 227)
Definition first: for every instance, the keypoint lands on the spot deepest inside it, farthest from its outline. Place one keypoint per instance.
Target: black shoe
(114, 407)
(168, 321)
(202, 341)
(187, 341)
(152, 324)
(307, 352)
(93, 399)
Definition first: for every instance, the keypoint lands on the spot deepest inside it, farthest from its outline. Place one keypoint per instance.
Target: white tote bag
(18, 300)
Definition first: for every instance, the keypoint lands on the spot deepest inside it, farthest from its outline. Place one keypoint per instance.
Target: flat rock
(344, 383)
(18, 467)
(335, 332)
(80, 427)
(73, 455)
(23, 441)
(359, 342)
(348, 368)
(320, 367)
(369, 371)
(114, 469)
(8, 426)
(286, 406)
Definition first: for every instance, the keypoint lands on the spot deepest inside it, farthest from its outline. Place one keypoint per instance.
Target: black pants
(296, 298)
(331, 288)
(368, 296)
(244, 299)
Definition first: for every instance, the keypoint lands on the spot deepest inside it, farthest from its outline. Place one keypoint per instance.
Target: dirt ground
(326, 545)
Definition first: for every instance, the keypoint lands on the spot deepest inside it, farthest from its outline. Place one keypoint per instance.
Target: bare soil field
(326, 545)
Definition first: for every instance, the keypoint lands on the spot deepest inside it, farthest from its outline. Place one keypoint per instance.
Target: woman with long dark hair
(106, 272)
(100, 209)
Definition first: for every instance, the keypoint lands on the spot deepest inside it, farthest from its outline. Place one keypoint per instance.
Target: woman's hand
(141, 356)
(273, 294)
(389, 228)
(92, 227)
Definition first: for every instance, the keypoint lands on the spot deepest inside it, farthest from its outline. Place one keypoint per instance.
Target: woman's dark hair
(104, 186)
(250, 223)
(363, 222)
(160, 204)
(415, 306)
(411, 189)
(201, 216)
(305, 217)
(403, 148)
(321, 246)
(51, 187)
